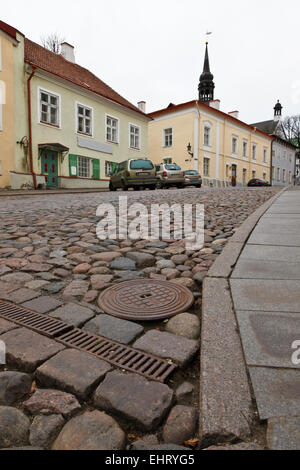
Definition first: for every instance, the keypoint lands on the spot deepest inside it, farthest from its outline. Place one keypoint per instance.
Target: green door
(50, 167)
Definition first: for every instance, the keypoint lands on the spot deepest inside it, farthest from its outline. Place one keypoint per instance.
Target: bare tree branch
(52, 42)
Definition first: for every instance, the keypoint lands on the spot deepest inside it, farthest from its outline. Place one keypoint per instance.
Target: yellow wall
(191, 121)
(67, 135)
(7, 132)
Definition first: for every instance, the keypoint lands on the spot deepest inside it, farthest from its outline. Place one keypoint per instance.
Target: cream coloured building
(222, 148)
(70, 128)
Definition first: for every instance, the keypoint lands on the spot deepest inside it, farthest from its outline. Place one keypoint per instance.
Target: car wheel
(124, 187)
(136, 188)
(160, 185)
(111, 187)
(152, 187)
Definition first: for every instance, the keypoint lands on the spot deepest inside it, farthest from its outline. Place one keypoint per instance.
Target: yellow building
(9, 46)
(71, 129)
(197, 135)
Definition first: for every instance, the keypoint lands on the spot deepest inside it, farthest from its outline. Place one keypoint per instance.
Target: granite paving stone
(48, 402)
(180, 425)
(127, 394)
(168, 346)
(6, 326)
(26, 350)
(14, 427)
(184, 324)
(74, 314)
(266, 295)
(13, 386)
(73, 371)
(93, 430)
(114, 328)
(276, 391)
(284, 433)
(262, 269)
(21, 295)
(268, 337)
(45, 429)
(43, 304)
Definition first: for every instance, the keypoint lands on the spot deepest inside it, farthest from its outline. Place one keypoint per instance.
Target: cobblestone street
(52, 262)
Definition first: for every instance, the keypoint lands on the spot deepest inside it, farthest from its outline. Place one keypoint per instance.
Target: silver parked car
(169, 174)
(192, 178)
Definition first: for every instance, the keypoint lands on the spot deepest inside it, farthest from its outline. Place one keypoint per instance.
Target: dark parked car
(258, 182)
(192, 178)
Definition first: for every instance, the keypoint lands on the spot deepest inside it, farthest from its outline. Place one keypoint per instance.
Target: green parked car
(133, 173)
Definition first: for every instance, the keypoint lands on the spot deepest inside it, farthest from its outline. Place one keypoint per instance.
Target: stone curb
(226, 410)
(23, 193)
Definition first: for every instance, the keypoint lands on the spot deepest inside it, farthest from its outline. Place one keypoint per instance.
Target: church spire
(206, 85)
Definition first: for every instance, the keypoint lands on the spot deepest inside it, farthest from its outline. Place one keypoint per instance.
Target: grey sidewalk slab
(266, 295)
(286, 239)
(255, 269)
(267, 338)
(277, 391)
(271, 253)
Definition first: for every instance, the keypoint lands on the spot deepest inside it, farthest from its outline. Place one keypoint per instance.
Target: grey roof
(269, 127)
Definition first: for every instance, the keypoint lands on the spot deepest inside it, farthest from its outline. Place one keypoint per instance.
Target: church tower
(206, 85)
(278, 111)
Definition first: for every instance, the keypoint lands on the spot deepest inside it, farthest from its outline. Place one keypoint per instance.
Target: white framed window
(290, 177)
(265, 176)
(207, 136)
(84, 167)
(283, 175)
(245, 149)
(49, 108)
(167, 160)
(109, 167)
(227, 171)
(265, 155)
(253, 174)
(254, 152)
(244, 176)
(168, 137)
(84, 119)
(134, 137)
(112, 129)
(234, 145)
(278, 174)
(206, 167)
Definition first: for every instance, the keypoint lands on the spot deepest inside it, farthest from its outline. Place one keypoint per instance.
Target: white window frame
(207, 125)
(254, 146)
(140, 136)
(89, 167)
(278, 174)
(107, 164)
(236, 139)
(165, 137)
(168, 160)
(57, 95)
(284, 175)
(245, 142)
(208, 160)
(109, 116)
(91, 134)
(265, 155)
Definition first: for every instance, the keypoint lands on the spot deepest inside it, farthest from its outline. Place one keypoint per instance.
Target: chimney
(67, 51)
(234, 114)
(215, 104)
(142, 106)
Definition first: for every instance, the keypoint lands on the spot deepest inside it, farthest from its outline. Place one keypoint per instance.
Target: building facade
(10, 40)
(197, 135)
(71, 129)
(283, 168)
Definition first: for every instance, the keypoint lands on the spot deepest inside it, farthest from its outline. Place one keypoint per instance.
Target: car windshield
(173, 167)
(141, 165)
(191, 172)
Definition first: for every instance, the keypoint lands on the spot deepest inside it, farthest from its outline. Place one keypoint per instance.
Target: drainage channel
(117, 354)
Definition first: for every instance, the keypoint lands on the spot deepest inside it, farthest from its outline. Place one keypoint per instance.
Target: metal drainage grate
(43, 324)
(119, 355)
(146, 300)
(114, 353)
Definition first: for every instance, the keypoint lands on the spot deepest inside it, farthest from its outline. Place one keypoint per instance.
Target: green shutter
(72, 165)
(96, 168)
(114, 166)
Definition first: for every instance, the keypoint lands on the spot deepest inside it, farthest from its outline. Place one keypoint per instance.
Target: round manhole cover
(146, 300)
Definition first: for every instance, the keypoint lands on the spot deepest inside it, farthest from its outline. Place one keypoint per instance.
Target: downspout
(271, 169)
(30, 126)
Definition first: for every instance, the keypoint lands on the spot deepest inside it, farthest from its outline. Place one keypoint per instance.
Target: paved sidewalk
(265, 287)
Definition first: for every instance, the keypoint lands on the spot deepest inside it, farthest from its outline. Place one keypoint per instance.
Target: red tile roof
(12, 32)
(59, 66)
(206, 107)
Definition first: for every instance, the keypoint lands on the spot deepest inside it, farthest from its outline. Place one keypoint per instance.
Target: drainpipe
(29, 126)
(271, 169)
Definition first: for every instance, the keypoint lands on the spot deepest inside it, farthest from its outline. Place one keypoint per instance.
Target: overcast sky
(154, 50)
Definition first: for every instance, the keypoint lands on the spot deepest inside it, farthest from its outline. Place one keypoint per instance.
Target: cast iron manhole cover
(146, 300)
